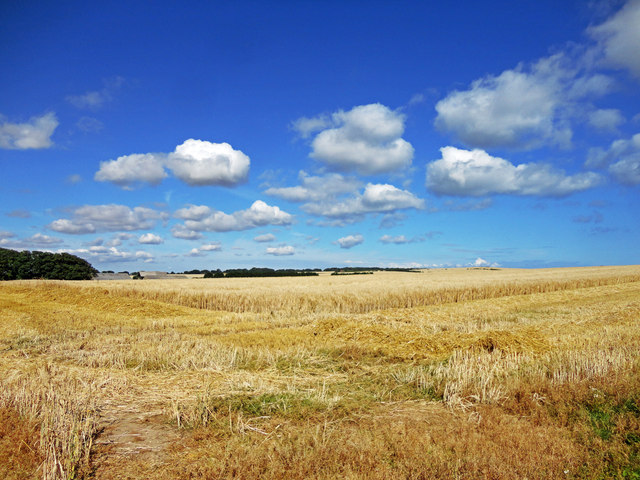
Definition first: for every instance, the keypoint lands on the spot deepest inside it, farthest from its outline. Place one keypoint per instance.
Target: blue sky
(180, 135)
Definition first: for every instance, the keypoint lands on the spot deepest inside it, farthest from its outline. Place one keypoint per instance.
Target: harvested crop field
(495, 374)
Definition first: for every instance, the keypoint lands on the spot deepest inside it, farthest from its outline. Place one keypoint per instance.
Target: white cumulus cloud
(520, 108)
(338, 197)
(316, 188)
(182, 232)
(536, 104)
(398, 239)
(34, 134)
(619, 38)
(476, 173)
(350, 241)
(622, 159)
(200, 218)
(193, 212)
(627, 170)
(150, 239)
(129, 169)
(101, 254)
(195, 162)
(376, 198)
(366, 139)
(306, 126)
(280, 251)
(203, 249)
(117, 239)
(198, 162)
(107, 218)
(211, 247)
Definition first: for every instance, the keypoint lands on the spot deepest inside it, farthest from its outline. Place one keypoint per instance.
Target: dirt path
(132, 444)
(136, 438)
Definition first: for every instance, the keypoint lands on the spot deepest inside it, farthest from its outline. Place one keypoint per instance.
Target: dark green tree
(27, 265)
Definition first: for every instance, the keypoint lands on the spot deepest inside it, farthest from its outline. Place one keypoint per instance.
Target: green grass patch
(606, 414)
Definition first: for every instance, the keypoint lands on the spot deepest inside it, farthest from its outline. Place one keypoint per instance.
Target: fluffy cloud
(376, 198)
(627, 170)
(350, 241)
(203, 249)
(195, 162)
(619, 38)
(534, 105)
(622, 159)
(34, 134)
(337, 197)
(476, 173)
(399, 239)
(129, 169)
(117, 239)
(211, 247)
(267, 237)
(37, 241)
(366, 139)
(386, 198)
(150, 239)
(182, 232)
(316, 188)
(200, 218)
(306, 126)
(102, 254)
(192, 212)
(519, 108)
(107, 218)
(280, 251)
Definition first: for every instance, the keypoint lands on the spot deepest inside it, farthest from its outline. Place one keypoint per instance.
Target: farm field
(479, 373)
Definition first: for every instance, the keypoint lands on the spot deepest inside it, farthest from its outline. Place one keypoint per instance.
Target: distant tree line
(306, 272)
(254, 272)
(352, 270)
(27, 265)
(268, 272)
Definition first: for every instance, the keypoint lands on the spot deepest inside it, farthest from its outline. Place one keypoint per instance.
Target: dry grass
(444, 374)
(363, 294)
(19, 446)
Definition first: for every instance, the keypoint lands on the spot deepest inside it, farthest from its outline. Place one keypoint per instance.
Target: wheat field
(459, 373)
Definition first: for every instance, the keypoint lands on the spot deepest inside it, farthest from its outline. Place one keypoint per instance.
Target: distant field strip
(388, 290)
